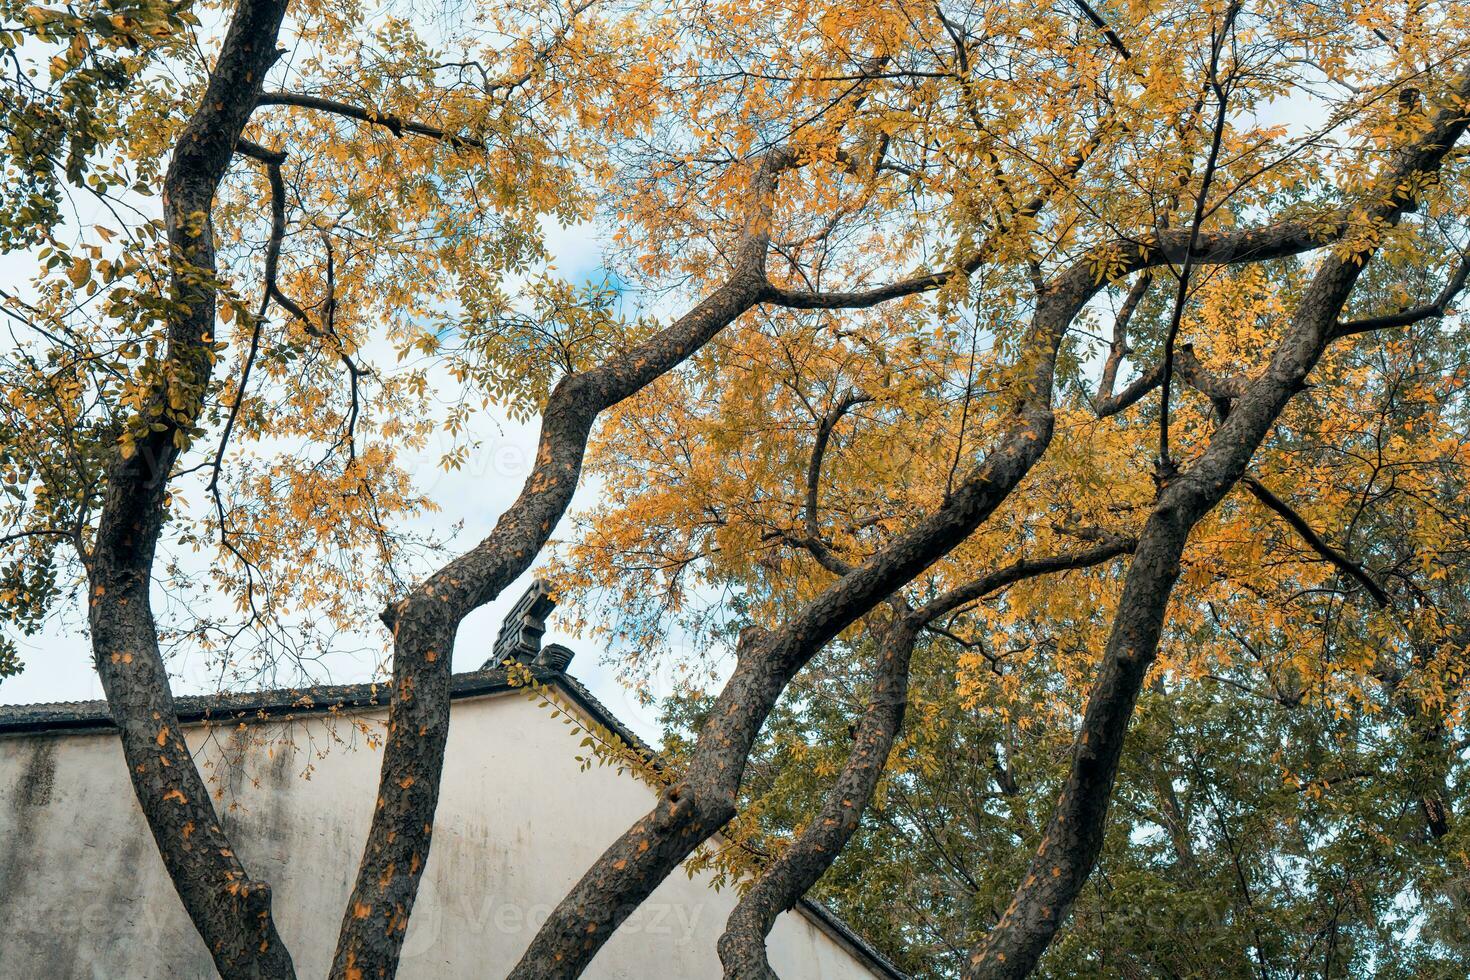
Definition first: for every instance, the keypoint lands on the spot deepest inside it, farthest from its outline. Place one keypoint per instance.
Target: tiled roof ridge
(546, 667)
(264, 704)
(63, 717)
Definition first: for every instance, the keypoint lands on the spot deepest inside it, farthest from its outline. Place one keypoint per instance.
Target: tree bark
(1074, 835)
(425, 622)
(699, 804)
(230, 909)
(743, 946)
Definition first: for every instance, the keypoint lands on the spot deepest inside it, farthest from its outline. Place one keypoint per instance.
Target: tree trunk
(424, 623)
(229, 908)
(1074, 835)
(743, 946)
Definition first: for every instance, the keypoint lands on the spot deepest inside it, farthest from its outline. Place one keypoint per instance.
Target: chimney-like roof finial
(520, 634)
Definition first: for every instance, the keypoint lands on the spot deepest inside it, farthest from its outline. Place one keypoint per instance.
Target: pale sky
(58, 662)
(58, 665)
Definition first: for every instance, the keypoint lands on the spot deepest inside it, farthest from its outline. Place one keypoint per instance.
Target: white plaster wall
(83, 893)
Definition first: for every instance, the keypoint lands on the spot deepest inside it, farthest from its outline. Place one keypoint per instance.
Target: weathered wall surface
(83, 893)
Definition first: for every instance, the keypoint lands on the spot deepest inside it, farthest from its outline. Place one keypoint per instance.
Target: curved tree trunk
(229, 908)
(424, 623)
(1074, 835)
(703, 801)
(743, 945)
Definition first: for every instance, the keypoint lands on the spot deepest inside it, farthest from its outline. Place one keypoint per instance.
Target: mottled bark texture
(1074, 835)
(743, 946)
(703, 800)
(425, 622)
(229, 908)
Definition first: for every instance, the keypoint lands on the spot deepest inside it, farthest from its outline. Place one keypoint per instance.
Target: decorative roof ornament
(555, 658)
(525, 624)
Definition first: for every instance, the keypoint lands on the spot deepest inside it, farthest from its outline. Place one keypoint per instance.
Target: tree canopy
(1034, 435)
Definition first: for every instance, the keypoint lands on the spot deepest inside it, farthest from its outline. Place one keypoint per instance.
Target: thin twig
(1217, 45)
(1341, 561)
(1102, 25)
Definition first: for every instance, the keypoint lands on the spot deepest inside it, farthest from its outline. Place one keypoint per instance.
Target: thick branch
(1409, 317)
(1136, 254)
(255, 151)
(1102, 25)
(425, 622)
(742, 947)
(394, 124)
(813, 541)
(1109, 546)
(230, 909)
(966, 266)
(1298, 524)
(1220, 389)
(1074, 834)
(1222, 392)
(1105, 403)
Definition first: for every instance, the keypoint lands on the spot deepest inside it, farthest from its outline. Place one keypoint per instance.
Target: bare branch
(1409, 317)
(273, 161)
(1298, 524)
(1104, 403)
(926, 282)
(394, 124)
(543, 52)
(813, 541)
(1102, 25)
(1140, 252)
